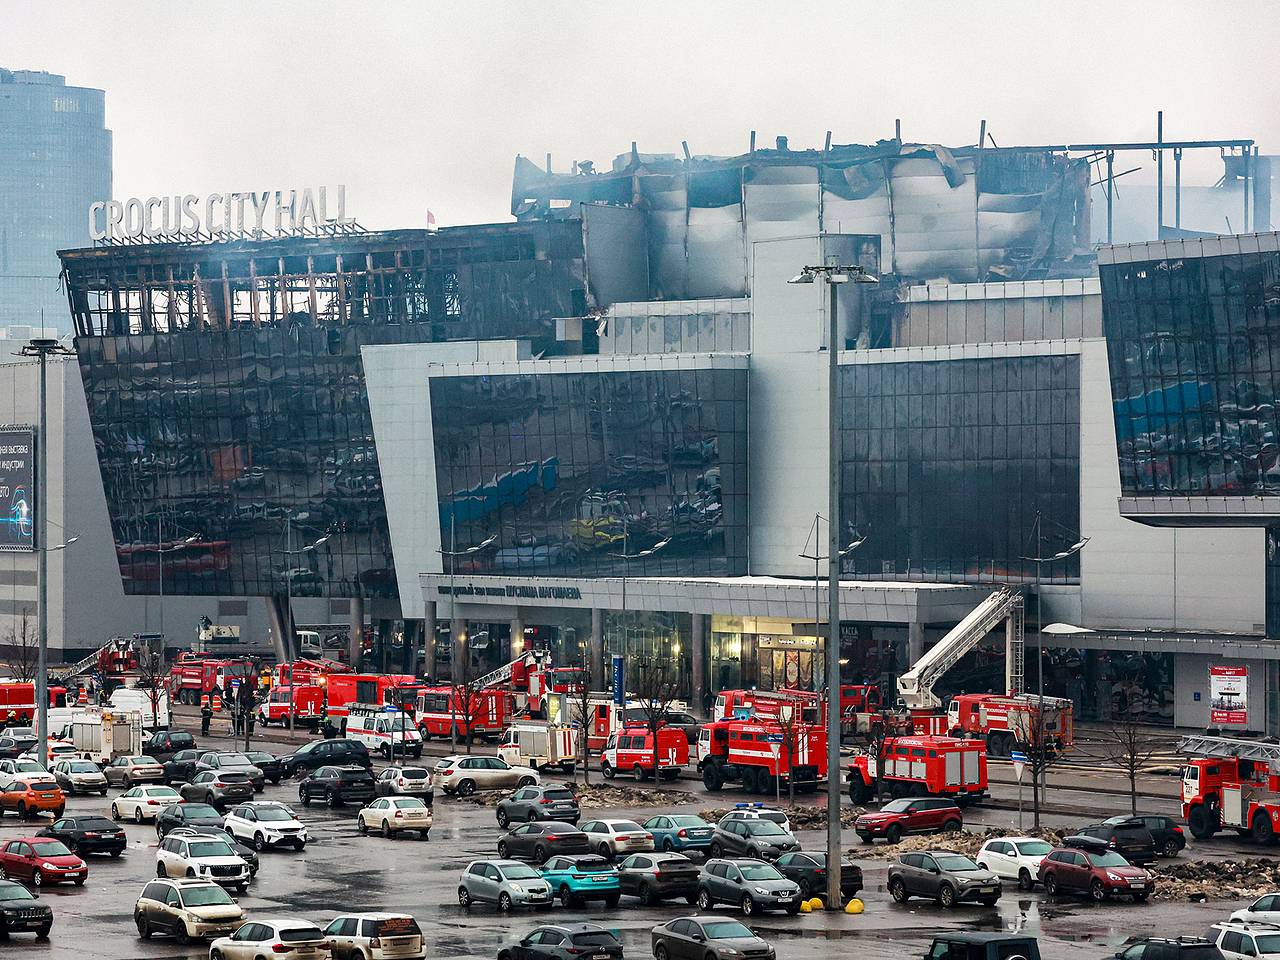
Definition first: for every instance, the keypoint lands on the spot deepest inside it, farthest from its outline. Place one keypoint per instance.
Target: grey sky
(417, 105)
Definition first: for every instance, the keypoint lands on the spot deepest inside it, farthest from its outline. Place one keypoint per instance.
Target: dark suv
(324, 753)
(918, 815)
(942, 875)
(1127, 836)
(163, 744)
(750, 885)
(759, 838)
(1184, 948)
(549, 802)
(337, 785)
(1165, 833)
(809, 871)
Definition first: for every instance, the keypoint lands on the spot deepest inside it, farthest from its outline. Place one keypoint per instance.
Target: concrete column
(275, 620)
(429, 639)
(698, 656)
(457, 630)
(356, 634)
(412, 638)
(596, 649)
(1010, 639)
(515, 646)
(915, 642)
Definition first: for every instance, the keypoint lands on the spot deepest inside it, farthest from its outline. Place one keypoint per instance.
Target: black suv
(324, 753)
(760, 838)
(1184, 948)
(1127, 836)
(982, 946)
(1165, 833)
(337, 785)
(163, 744)
(809, 871)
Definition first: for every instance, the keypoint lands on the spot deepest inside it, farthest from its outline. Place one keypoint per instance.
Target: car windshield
(269, 814)
(596, 938)
(29, 766)
(210, 896)
(1107, 859)
(400, 723)
(234, 759)
(689, 822)
(51, 848)
(82, 766)
(199, 810)
(956, 862)
(211, 848)
(760, 871)
(518, 871)
(11, 891)
(896, 806)
(1033, 848)
(767, 828)
(725, 930)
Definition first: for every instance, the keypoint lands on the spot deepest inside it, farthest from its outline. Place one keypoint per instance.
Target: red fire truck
(304, 670)
(1008, 723)
(742, 704)
(291, 705)
(442, 711)
(193, 675)
(1231, 783)
(630, 750)
(18, 702)
(756, 752)
(343, 689)
(918, 765)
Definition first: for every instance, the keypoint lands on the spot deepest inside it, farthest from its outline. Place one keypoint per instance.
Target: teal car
(582, 877)
(680, 832)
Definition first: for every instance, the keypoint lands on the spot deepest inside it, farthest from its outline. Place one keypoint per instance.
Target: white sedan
(614, 838)
(281, 938)
(1014, 858)
(1266, 909)
(390, 815)
(265, 823)
(143, 803)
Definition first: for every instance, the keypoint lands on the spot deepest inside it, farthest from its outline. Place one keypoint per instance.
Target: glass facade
(1194, 348)
(947, 463)
(567, 472)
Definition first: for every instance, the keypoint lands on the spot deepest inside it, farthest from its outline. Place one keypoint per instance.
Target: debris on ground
(967, 842)
(802, 816)
(1201, 880)
(594, 795)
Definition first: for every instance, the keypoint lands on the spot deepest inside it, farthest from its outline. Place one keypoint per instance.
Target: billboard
(17, 487)
(1228, 696)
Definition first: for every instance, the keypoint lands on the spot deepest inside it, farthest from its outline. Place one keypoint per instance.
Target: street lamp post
(626, 559)
(161, 551)
(833, 274)
(290, 637)
(453, 553)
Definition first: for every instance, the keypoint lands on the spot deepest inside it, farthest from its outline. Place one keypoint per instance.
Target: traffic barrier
(83, 699)
(854, 906)
(217, 703)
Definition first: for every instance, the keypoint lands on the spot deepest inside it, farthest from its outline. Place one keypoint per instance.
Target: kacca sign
(255, 213)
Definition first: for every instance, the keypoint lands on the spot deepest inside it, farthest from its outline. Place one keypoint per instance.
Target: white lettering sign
(255, 214)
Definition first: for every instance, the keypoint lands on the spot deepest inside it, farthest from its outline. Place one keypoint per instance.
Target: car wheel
(805, 893)
(898, 890)
(465, 788)
(215, 955)
(464, 897)
(1170, 848)
(43, 932)
(747, 906)
(22, 811)
(208, 798)
(947, 895)
(951, 826)
(304, 797)
(526, 781)
(137, 814)
(335, 800)
(191, 873)
(502, 850)
(79, 881)
(865, 837)
(989, 901)
(539, 854)
(714, 851)
(604, 850)
(611, 900)
(667, 845)
(660, 952)
(144, 928)
(503, 819)
(161, 871)
(180, 935)
(259, 842)
(504, 902)
(893, 834)
(386, 830)
(1024, 879)
(1141, 897)
(1050, 885)
(37, 878)
(361, 827)
(647, 897)
(1097, 891)
(704, 900)
(386, 752)
(128, 781)
(531, 816)
(567, 897)
(607, 769)
(115, 812)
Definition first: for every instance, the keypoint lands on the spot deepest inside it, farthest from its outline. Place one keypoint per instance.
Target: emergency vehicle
(540, 745)
(755, 752)
(1231, 783)
(630, 750)
(293, 705)
(341, 690)
(917, 765)
(18, 702)
(306, 670)
(1009, 723)
(384, 730)
(102, 735)
(443, 711)
(194, 675)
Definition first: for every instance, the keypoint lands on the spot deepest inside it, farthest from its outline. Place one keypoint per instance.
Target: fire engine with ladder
(1231, 782)
(772, 741)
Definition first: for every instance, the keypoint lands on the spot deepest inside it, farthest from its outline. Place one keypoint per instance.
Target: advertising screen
(17, 487)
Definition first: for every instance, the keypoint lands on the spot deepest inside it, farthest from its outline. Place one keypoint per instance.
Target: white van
(380, 730)
(140, 700)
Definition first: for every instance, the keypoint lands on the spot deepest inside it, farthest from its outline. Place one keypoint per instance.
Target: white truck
(151, 705)
(540, 745)
(102, 735)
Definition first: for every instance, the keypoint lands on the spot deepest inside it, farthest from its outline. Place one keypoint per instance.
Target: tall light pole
(161, 551)
(626, 559)
(42, 348)
(833, 274)
(290, 637)
(453, 553)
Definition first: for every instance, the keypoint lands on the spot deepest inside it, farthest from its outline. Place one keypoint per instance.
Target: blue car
(680, 832)
(582, 877)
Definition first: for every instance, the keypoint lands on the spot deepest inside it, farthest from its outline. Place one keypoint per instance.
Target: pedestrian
(206, 716)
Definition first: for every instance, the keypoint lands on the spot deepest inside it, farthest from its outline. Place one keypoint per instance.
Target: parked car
(281, 938)
(186, 909)
(265, 823)
(654, 877)
(614, 838)
(21, 912)
(409, 781)
(188, 813)
(1166, 834)
(1014, 858)
(984, 946)
(218, 788)
(507, 883)
(565, 941)
(336, 785)
(20, 769)
(232, 763)
(202, 855)
(809, 871)
(1086, 865)
(87, 834)
(750, 885)
(375, 936)
(575, 879)
(268, 763)
(539, 840)
(181, 767)
(909, 815)
(126, 771)
(698, 937)
(1127, 836)
(14, 742)
(79, 776)
(41, 860)
(1265, 909)
(1237, 940)
(391, 816)
(466, 775)
(756, 811)
(546, 802)
(143, 803)
(942, 875)
(680, 832)
(163, 744)
(325, 753)
(1183, 948)
(759, 838)
(245, 853)
(27, 798)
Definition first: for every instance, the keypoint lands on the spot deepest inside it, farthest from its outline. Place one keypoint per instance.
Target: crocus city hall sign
(188, 217)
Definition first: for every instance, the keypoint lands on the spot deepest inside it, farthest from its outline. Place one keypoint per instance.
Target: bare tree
(22, 649)
(579, 701)
(789, 724)
(656, 685)
(1130, 748)
(151, 678)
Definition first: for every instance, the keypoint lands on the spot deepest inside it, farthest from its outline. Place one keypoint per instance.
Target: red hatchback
(909, 815)
(41, 860)
(1087, 865)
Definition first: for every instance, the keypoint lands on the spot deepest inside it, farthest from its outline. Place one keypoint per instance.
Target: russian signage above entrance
(255, 214)
(530, 591)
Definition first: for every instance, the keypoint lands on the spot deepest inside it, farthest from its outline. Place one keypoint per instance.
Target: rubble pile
(1202, 880)
(802, 816)
(967, 842)
(594, 795)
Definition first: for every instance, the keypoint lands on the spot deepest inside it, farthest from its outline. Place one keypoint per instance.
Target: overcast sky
(415, 105)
